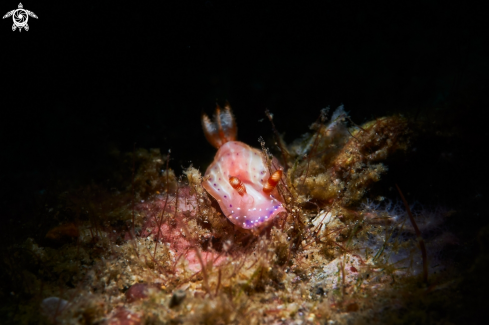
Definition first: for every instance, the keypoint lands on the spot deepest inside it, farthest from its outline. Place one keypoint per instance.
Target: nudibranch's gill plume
(238, 178)
(223, 129)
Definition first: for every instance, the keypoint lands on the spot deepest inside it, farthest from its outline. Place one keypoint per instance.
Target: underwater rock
(63, 233)
(52, 307)
(177, 298)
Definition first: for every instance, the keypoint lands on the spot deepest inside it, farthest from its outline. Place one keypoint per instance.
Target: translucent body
(253, 208)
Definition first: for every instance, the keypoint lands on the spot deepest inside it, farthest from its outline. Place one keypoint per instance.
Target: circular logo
(20, 17)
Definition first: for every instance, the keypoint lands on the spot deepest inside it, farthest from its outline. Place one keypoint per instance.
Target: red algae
(165, 220)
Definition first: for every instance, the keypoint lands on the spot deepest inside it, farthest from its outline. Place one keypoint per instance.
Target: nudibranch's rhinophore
(238, 178)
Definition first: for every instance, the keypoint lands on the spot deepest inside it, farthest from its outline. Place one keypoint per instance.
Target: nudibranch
(239, 178)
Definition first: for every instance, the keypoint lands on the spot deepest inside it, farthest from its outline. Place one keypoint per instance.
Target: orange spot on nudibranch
(238, 185)
(272, 181)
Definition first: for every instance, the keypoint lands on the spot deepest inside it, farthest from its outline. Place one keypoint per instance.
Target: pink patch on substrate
(138, 291)
(122, 316)
(169, 226)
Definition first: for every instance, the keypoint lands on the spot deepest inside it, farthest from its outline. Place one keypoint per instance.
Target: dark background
(91, 76)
